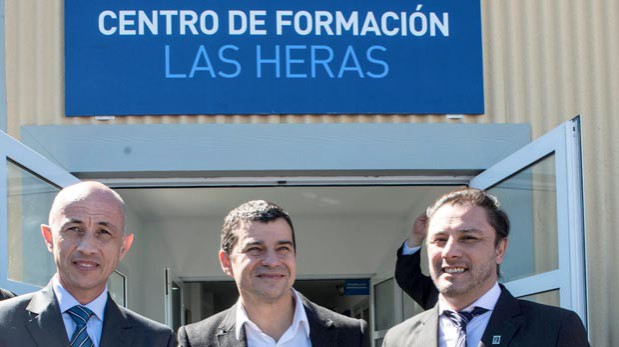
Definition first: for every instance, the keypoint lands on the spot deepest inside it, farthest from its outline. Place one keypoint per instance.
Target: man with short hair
(258, 250)
(86, 235)
(466, 241)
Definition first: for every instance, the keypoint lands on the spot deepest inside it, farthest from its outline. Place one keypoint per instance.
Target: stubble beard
(453, 289)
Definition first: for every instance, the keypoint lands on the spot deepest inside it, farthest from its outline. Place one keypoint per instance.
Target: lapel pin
(496, 339)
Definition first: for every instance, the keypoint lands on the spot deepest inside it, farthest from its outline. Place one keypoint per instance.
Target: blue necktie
(80, 316)
(461, 319)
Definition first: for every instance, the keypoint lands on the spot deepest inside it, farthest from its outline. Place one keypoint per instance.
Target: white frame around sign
(16, 152)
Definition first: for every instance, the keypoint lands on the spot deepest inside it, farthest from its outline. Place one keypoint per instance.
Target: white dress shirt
(448, 331)
(297, 335)
(97, 306)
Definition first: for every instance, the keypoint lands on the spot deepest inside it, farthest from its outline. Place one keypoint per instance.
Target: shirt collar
(300, 317)
(487, 301)
(66, 300)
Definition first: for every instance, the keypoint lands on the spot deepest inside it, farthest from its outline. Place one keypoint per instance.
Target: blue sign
(132, 57)
(357, 287)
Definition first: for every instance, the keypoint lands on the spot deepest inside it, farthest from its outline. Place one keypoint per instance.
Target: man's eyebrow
(469, 230)
(284, 242)
(253, 243)
(73, 221)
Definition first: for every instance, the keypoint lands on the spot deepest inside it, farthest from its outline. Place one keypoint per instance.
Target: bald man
(86, 235)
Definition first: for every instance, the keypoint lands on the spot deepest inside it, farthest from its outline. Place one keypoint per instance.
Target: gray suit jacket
(327, 329)
(514, 323)
(34, 320)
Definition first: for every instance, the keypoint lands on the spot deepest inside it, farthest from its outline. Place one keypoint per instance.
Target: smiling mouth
(85, 265)
(271, 276)
(454, 270)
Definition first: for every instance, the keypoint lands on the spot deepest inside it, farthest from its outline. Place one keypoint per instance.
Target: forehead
(277, 230)
(89, 207)
(458, 218)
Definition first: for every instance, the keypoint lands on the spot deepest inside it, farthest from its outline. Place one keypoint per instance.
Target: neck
(273, 318)
(462, 301)
(84, 297)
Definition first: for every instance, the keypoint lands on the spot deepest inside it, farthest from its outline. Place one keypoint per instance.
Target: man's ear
(224, 260)
(127, 242)
(46, 231)
(500, 250)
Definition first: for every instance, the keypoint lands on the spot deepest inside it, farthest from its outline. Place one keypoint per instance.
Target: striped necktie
(80, 316)
(461, 319)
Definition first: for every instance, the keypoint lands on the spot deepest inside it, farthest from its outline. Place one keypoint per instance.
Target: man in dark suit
(467, 239)
(87, 239)
(258, 250)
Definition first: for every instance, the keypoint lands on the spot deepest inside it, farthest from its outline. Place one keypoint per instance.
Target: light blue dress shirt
(97, 306)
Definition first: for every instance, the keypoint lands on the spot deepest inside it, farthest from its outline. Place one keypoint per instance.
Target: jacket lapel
(45, 324)
(117, 330)
(504, 321)
(322, 332)
(226, 331)
(426, 333)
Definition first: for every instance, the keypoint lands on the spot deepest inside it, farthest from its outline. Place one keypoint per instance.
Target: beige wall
(544, 62)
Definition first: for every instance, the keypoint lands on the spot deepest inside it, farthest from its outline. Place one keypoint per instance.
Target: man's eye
(469, 238)
(75, 229)
(284, 249)
(439, 241)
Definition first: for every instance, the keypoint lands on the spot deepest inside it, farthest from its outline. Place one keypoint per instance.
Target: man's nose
(87, 243)
(451, 249)
(270, 258)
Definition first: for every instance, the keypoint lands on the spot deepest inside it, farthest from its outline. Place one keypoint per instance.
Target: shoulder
(14, 306)
(408, 332)
(408, 325)
(543, 312)
(211, 322)
(145, 323)
(13, 313)
(208, 328)
(338, 320)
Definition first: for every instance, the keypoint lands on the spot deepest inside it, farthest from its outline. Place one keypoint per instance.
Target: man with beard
(466, 241)
(258, 250)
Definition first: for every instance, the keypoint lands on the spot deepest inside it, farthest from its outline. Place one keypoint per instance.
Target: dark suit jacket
(514, 323)
(412, 281)
(34, 320)
(5, 294)
(327, 329)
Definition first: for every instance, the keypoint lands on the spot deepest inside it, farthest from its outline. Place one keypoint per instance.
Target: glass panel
(116, 285)
(384, 302)
(409, 306)
(547, 298)
(530, 199)
(29, 200)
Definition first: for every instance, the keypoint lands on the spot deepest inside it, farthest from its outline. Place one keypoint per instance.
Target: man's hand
(419, 231)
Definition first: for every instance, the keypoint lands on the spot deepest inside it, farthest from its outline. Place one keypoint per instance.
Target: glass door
(174, 307)
(28, 184)
(540, 188)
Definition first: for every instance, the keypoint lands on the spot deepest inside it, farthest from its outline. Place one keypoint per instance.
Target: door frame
(14, 151)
